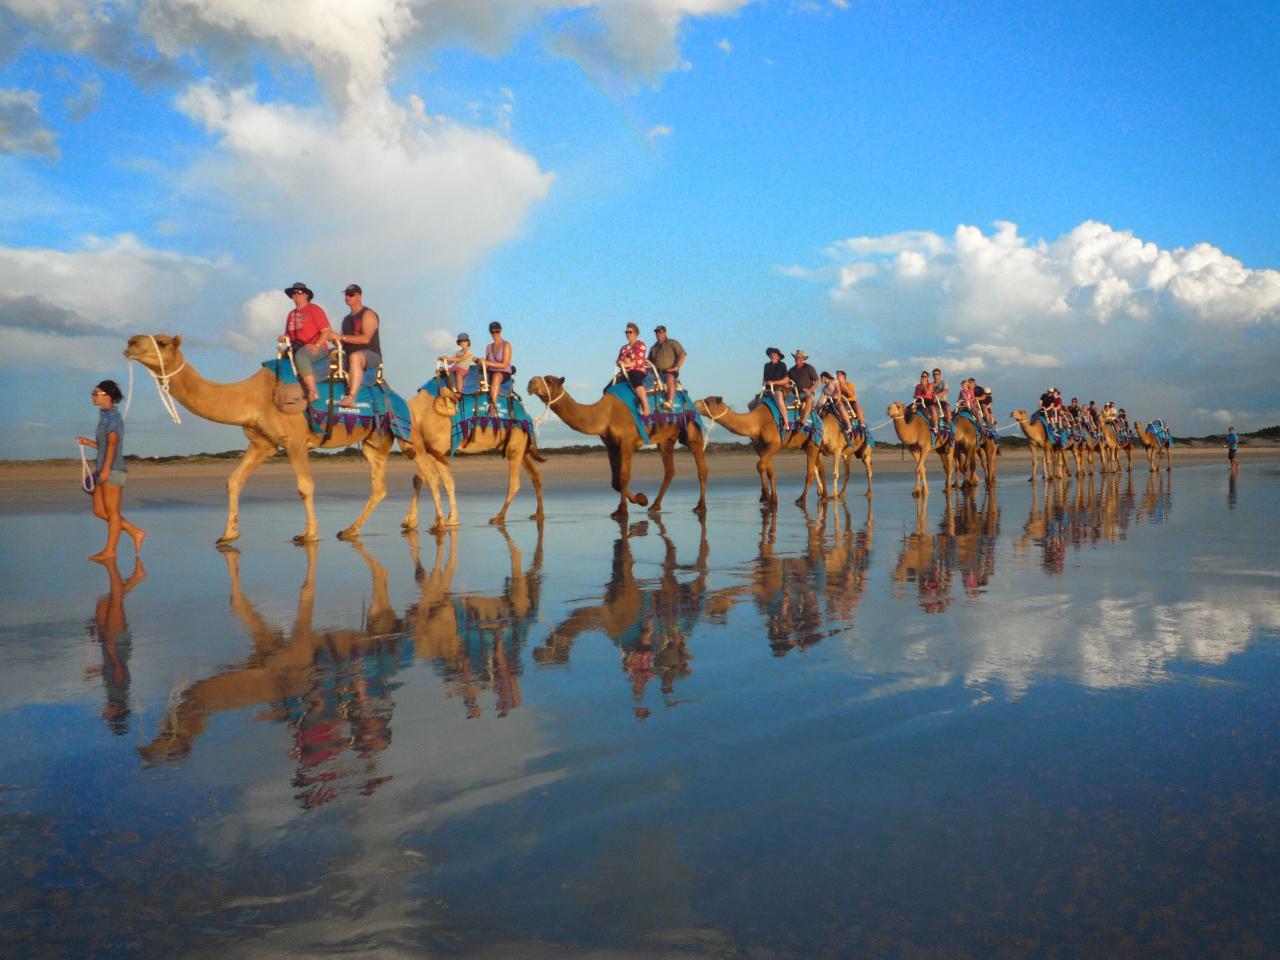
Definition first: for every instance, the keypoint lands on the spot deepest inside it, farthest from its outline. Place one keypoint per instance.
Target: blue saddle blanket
(985, 431)
(942, 434)
(1122, 433)
(684, 413)
(377, 406)
(474, 414)
(1157, 429)
(1057, 436)
(812, 427)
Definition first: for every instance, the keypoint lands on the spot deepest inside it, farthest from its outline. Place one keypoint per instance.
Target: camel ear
(177, 340)
(446, 406)
(558, 381)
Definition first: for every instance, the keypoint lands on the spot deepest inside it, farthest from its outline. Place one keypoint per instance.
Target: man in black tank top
(361, 341)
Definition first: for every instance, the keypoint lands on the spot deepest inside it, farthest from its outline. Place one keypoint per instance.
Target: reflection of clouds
(1100, 643)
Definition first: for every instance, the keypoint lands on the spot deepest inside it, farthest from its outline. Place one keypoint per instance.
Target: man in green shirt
(667, 357)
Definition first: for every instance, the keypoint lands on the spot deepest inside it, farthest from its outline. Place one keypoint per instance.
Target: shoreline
(27, 486)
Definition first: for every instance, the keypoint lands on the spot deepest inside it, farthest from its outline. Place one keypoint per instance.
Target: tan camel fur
(433, 430)
(1111, 435)
(759, 426)
(837, 446)
(916, 438)
(1043, 452)
(248, 405)
(610, 420)
(1153, 448)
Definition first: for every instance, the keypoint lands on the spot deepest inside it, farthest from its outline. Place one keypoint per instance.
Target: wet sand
(44, 486)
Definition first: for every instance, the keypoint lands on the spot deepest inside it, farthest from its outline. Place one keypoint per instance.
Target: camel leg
(615, 471)
(866, 463)
(695, 445)
(258, 450)
(514, 456)
(375, 454)
(297, 452)
(425, 474)
(535, 478)
(446, 522)
(667, 451)
(921, 489)
(768, 479)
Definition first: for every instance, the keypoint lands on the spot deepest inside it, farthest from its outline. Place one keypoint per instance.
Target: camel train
(432, 437)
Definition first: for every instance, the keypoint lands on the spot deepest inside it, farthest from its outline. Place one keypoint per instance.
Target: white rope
(539, 420)
(883, 423)
(162, 382)
(128, 397)
(706, 433)
(87, 479)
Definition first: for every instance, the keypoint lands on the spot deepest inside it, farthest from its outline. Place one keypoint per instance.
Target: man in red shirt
(306, 329)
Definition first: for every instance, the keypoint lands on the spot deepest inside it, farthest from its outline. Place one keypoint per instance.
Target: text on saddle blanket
(474, 413)
(376, 407)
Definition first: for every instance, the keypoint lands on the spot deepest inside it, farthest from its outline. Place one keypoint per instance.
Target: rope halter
(162, 382)
(539, 420)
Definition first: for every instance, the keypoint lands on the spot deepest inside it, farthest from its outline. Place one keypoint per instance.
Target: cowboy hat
(299, 286)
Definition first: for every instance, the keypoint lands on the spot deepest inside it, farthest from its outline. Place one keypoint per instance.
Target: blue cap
(463, 336)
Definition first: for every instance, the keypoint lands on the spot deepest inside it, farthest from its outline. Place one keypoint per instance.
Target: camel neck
(237, 404)
(585, 418)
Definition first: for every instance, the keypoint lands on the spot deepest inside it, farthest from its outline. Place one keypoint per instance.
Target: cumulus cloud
(368, 194)
(261, 321)
(1184, 328)
(725, 45)
(660, 131)
(22, 128)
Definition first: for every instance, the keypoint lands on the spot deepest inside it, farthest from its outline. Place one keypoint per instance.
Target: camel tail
(532, 450)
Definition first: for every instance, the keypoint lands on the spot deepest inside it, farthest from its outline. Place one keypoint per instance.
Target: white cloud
(725, 45)
(261, 322)
(1110, 311)
(440, 340)
(660, 131)
(22, 128)
(372, 194)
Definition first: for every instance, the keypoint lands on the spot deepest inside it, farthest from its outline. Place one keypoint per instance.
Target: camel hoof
(619, 514)
(539, 516)
(226, 548)
(498, 521)
(700, 509)
(303, 538)
(915, 494)
(642, 500)
(348, 534)
(226, 538)
(655, 508)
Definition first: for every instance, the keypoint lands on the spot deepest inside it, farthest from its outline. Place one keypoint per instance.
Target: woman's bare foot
(103, 555)
(137, 540)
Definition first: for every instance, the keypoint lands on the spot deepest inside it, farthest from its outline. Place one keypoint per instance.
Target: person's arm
(323, 332)
(113, 441)
(370, 327)
(681, 355)
(86, 442)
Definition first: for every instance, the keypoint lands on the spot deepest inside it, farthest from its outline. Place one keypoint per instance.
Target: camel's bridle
(162, 381)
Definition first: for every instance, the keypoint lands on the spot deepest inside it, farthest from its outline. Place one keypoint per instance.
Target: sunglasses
(98, 393)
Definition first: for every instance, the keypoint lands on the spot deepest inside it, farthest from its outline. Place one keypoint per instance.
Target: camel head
(142, 349)
(1019, 416)
(712, 406)
(544, 388)
(896, 410)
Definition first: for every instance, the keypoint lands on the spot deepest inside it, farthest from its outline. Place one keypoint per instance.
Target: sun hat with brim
(299, 286)
(772, 350)
(800, 355)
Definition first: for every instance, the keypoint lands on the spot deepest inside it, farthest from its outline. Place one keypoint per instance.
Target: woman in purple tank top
(497, 361)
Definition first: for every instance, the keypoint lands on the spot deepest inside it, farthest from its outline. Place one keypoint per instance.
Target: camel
(970, 448)
(837, 446)
(248, 405)
(610, 420)
(1113, 445)
(915, 436)
(1154, 448)
(433, 429)
(1043, 452)
(759, 426)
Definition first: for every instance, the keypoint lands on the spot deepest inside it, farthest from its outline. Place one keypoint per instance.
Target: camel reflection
(110, 630)
(649, 620)
(1064, 520)
(474, 640)
(333, 688)
(965, 543)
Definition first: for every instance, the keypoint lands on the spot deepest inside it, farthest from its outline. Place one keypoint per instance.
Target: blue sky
(1076, 194)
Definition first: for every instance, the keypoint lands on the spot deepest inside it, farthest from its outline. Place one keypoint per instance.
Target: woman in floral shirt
(633, 358)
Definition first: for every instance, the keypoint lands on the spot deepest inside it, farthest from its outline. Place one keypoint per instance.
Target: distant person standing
(667, 357)
(306, 330)
(1233, 443)
(110, 472)
(360, 337)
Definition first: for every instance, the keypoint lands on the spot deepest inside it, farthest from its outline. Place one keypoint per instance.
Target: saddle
(684, 411)
(377, 406)
(474, 413)
(812, 427)
(944, 432)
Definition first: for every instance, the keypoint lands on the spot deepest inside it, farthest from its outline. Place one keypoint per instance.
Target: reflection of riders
(111, 631)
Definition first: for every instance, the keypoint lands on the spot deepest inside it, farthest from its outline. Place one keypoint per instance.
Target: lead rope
(706, 434)
(162, 382)
(539, 420)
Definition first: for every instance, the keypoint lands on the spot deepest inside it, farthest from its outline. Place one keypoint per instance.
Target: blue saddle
(1157, 429)
(377, 406)
(944, 432)
(1056, 436)
(684, 413)
(474, 414)
(812, 427)
(985, 431)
